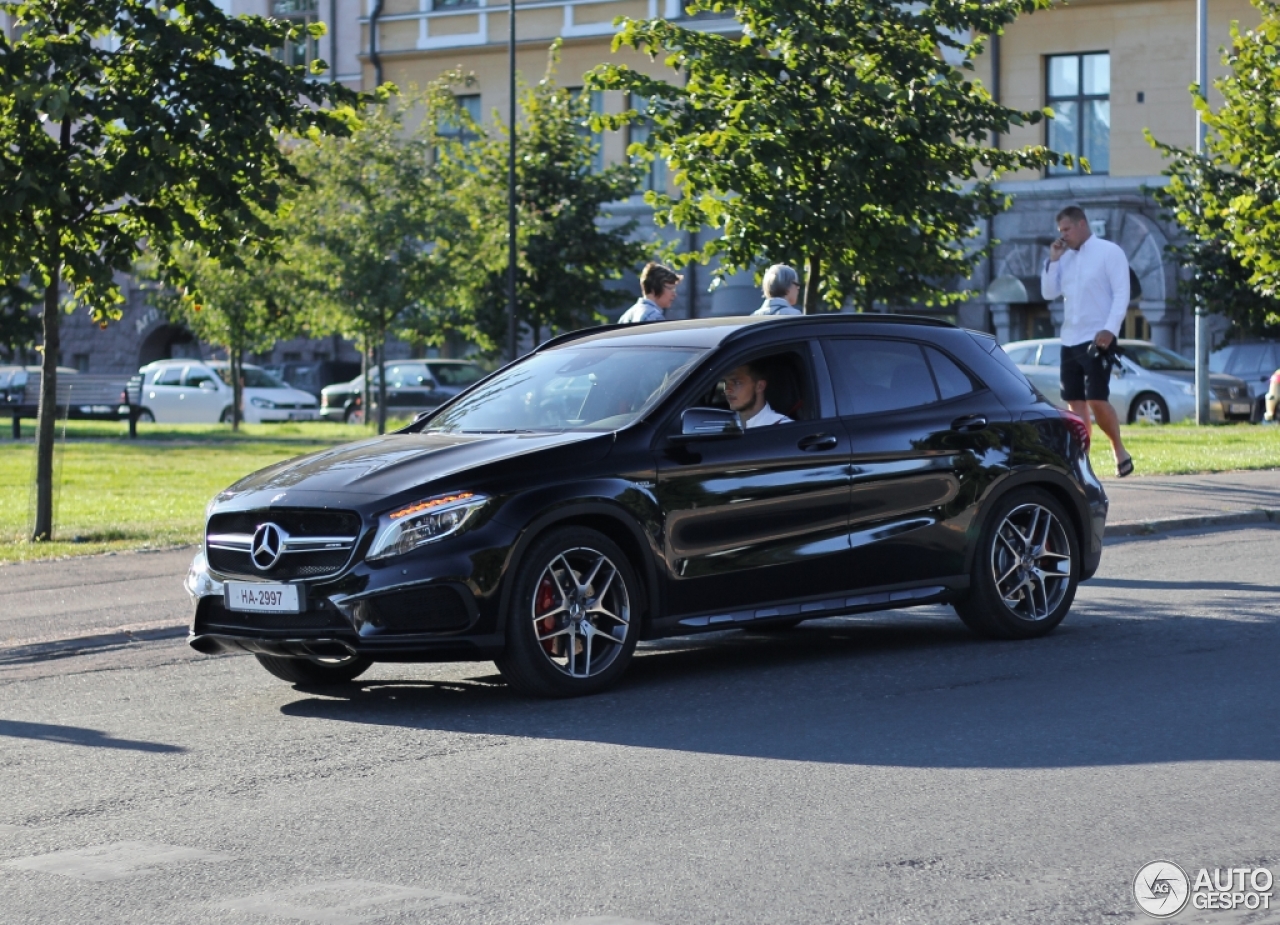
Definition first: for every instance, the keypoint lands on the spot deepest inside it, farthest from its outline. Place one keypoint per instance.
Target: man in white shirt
(658, 285)
(744, 388)
(1092, 275)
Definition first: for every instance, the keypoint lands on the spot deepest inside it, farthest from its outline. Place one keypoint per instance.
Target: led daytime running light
(428, 505)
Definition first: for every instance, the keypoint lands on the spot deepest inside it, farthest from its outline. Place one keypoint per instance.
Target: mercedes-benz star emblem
(268, 544)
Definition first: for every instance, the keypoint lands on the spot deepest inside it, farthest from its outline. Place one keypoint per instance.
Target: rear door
(926, 438)
(761, 517)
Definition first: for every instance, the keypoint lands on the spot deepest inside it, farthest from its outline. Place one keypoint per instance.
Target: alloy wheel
(1149, 411)
(1031, 562)
(581, 612)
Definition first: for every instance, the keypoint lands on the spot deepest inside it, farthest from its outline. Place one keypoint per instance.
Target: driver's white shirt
(766, 416)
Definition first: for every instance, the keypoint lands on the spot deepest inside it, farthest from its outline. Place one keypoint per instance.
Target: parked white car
(1149, 384)
(199, 392)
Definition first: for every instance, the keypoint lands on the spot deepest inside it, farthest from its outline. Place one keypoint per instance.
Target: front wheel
(1149, 408)
(315, 672)
(353, 416)
(1025, 571)
(573, 623)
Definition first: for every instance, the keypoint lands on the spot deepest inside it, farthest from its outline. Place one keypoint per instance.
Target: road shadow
(1119, 683)
(76, 735)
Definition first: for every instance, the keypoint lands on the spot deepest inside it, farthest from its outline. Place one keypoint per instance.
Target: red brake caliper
(546, 599)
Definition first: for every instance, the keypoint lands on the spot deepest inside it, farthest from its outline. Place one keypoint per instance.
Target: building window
(298, 13)
(1079, 92)
(452, 4)
(470, 104)
(595, 103)
(81, 361)
(655, 177)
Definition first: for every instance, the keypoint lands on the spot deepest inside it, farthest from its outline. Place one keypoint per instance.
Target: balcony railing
(460, 23)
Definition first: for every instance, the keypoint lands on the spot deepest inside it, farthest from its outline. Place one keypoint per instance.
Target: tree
(124, 121)
(383, 225)
(241, 307)
(831, 133)
(567, 254)
(19, 327)
(1228, 199)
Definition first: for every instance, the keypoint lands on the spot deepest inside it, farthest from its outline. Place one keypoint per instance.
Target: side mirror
(208, 385)
(708, 424)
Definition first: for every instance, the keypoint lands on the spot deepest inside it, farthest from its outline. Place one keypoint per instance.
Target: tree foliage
(832, 134)
(1228, 199)
(383, 228)
(567, 254)
(19, 325)
(123, 121)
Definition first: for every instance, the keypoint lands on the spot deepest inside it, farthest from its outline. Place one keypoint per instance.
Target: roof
(711, 332)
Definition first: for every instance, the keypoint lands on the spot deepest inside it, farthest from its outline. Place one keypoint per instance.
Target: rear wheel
(1148, 408)
(226, 416)
(315, 672)
(146, 417)
(353, 416)
(1025, 571)
(574, 616)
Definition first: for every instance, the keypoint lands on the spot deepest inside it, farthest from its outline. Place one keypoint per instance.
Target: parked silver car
(1150, 383)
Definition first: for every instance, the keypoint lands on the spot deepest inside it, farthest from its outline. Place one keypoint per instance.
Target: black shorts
(1083, 378)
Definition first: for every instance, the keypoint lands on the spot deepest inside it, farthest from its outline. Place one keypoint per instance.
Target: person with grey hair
(781, 288)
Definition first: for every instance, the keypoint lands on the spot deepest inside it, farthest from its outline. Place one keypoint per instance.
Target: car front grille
(1229, 392)
(416, 610)
(314, 543)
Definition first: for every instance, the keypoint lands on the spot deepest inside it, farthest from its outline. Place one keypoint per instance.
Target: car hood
(382, 466)
(282, 396)
(1187, 375)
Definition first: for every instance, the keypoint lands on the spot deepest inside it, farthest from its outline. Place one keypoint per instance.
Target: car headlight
(262, 403)
(423, 522)
(1188, 388)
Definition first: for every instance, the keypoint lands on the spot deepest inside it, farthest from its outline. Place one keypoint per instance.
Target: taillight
(1079, 426)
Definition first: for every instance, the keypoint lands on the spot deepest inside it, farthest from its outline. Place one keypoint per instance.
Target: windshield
(253, 377)
(573, 388)
(1156, 358)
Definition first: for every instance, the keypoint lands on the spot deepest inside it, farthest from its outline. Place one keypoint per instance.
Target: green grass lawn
(119, 494)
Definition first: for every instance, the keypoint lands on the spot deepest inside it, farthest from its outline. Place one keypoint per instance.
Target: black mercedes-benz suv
(601, 490)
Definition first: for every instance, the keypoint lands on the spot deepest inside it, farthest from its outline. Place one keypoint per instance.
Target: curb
(1150, 527)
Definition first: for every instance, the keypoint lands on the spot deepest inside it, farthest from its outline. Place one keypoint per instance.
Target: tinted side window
(406, 377)
(456, 375)
(878, 375)
(171, 375)
(1247, 359)
(195, 376)
(951, 379)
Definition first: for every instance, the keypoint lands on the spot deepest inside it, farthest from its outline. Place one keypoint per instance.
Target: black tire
(353, 416)
(146, 417)
(225, 417)
(1148, 408)
(309, 672)
(571, 579)
(1027, 528)
(1258, 413)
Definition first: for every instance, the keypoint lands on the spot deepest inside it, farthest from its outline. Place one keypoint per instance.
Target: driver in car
(744, 389)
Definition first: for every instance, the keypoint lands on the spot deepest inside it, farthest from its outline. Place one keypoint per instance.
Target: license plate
(302, 415)
(1240, 408)
(257, 597)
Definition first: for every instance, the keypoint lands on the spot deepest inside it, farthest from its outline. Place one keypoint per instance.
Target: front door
(758, 517)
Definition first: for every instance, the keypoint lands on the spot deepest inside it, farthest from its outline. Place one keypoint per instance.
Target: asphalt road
(887, 768)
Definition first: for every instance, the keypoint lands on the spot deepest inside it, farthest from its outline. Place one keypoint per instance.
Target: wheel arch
(1056, 486)
(1132, 414)
(605, 518)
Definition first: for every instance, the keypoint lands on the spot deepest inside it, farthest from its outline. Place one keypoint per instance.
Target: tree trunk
(48, 413)
(812, 274)
(236, 362)
(382, 383)
(366, 400)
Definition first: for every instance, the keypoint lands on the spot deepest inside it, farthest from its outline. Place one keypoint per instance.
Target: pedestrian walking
(658, 292)
(781, 289)
(1092, 275)
(1272, 405)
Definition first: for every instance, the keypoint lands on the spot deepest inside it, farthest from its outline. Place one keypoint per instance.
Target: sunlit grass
(1179, 449)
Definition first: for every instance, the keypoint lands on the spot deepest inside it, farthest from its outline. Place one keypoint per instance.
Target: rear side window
(952, 381)
(872, 376)
(1023, 356)
(195, 375)
(170, 375)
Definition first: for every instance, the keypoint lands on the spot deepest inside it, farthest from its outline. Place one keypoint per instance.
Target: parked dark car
(599, 491)
(413, 386)
(1255, 363)
(314, 376)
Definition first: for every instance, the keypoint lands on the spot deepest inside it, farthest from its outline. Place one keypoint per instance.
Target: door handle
(970, 422)
(818, 442)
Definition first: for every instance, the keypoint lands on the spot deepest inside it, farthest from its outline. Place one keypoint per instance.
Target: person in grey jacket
(781, 288)
(658, 292)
